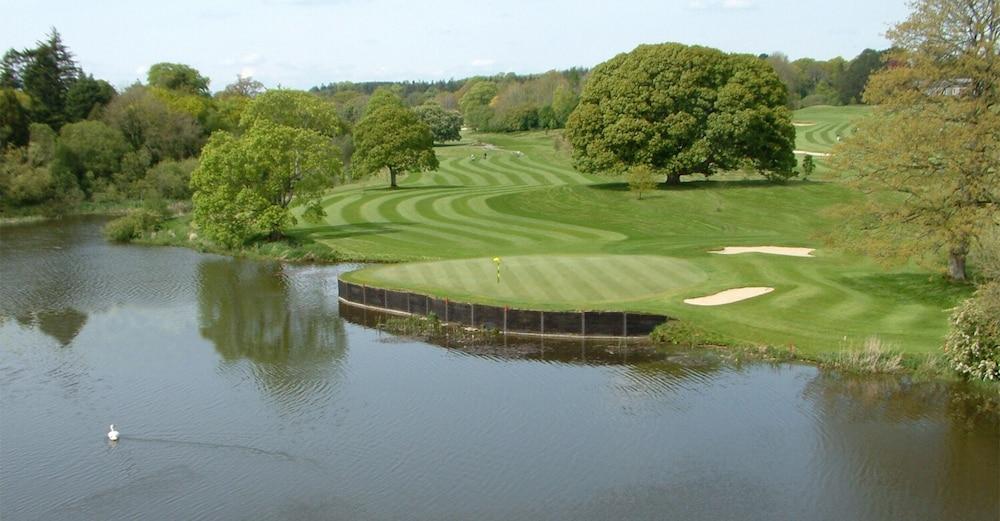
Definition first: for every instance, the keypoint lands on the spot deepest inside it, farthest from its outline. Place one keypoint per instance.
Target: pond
(242, 393)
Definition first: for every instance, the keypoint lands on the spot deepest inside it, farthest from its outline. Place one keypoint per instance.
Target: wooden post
(583, 323)
(625, 325)
(543, 323)
(505, 320)
(446, 310)
(364, 294)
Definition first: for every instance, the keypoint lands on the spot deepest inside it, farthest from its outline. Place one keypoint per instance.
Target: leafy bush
(171, 178)
(132, 226)
(973, 344)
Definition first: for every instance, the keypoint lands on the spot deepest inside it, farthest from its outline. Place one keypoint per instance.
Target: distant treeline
(832, 82)
(66, 137)
(498, 103)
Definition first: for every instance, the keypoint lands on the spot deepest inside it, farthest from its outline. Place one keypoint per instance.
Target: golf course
(570, 241)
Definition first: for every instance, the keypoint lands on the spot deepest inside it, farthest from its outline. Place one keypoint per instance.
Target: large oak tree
(683, 110)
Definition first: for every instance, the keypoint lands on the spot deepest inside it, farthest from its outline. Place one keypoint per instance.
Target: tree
(244, 86)
(244, 186)
(808, 166)
(12, 69)
(475, 104)
(14, 120)
(294, 108)
(564, 100)
(855, 77)
(927, 157)
(147, 121)
(445, 125)
(641, 178)
(392, 137)
(788, 74)
(177, 76)
(683, 110)
(84, 95)
(48, 72)
(91, 150)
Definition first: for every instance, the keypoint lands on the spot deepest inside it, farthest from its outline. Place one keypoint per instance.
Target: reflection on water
(279, 318)
(62, 325)
(243, 393)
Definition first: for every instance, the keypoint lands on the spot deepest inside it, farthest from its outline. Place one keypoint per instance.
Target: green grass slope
(817, 127)
(575, 241)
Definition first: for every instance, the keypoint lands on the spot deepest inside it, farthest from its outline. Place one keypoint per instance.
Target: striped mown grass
(575, 241)
(818, 127)
(549, 282)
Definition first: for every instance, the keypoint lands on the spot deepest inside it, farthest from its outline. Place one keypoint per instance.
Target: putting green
(549, 282)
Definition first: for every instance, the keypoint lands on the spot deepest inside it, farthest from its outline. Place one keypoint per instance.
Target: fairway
(817, 128)
(575, 241)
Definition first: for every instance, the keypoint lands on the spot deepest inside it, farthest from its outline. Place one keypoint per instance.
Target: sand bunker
(802, 124)
(808, 153)
(773, 250)
(728, 296)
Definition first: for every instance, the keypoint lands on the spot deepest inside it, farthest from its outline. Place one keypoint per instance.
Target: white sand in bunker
(802, 124)
(728, 296)
(773, 250)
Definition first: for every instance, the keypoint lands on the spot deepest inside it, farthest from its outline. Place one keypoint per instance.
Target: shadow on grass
(705, 185)
(922, 288)
(345, 231)
(408, 188)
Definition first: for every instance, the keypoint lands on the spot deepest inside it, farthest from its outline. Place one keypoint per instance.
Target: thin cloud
(482, 62)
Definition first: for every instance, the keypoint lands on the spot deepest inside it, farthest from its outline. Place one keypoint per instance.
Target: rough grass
(575, 241)
(872, 357)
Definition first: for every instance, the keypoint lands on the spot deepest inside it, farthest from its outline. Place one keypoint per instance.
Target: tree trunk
(392, 178)
(956, 263)
(674, 179)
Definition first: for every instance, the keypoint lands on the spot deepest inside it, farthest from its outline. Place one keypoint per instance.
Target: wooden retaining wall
(502, 318)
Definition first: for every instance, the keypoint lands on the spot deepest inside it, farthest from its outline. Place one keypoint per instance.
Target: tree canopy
(683, 110)
(392, 137)
(245, 185)
(445, 125)
(928, 154)
(177, 76)
(294, 108)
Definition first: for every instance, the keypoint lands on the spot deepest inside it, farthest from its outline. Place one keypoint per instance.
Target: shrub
(808, 166)
(132, 226)
(641, 178)
(171, 178)
(681, 332)
(973, 344)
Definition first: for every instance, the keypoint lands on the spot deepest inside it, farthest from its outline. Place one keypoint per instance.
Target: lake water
(241, 393)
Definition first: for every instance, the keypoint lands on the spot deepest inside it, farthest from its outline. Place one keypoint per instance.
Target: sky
(304, 43)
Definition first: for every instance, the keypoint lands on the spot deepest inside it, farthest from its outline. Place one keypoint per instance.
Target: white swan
(113, 434)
